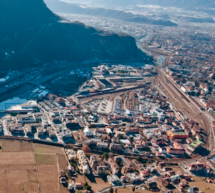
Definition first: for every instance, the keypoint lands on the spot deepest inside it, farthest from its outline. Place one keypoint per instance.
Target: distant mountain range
(31, 35)
(193, 4)
(197, 5)
(60, 6)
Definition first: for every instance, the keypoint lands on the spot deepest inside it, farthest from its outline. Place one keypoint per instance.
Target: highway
(182, 102)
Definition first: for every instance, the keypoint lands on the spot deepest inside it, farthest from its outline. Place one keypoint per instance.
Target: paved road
(6, 132)
(51, 123)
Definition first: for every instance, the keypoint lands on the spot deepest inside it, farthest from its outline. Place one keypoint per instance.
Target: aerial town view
(137, 114)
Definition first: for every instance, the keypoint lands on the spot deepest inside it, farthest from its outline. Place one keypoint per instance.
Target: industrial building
(18, 105)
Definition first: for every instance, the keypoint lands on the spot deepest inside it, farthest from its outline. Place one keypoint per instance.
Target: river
(160, 59)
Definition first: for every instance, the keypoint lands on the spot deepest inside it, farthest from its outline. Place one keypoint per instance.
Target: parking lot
(100, 105)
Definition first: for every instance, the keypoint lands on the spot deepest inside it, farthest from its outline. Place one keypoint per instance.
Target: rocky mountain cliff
(31, 34)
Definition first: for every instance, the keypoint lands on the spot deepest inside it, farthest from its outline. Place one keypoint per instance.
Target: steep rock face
(31, 34)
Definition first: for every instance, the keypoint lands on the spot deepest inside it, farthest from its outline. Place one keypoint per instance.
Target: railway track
(190, 107)
(111, 91)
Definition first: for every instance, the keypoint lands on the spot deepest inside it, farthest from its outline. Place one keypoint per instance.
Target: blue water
(160, 59)
(141, 40)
